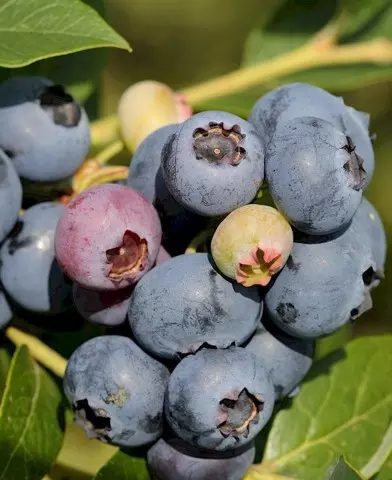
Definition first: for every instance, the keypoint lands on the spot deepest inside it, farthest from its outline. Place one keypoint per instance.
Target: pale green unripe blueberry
(252, 244)
(146, 106)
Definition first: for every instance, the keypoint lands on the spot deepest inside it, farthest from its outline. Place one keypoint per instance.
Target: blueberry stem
(255, 473)
(321, 51)
(314, 54)
(93, 174)
(109, 152)
(39, 350)
(198, 241)
(104, 131)
(105, 175)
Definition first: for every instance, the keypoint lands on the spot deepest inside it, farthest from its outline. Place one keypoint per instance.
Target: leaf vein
(361, 388)
(364, 417)
(36, 12)
(29, 418)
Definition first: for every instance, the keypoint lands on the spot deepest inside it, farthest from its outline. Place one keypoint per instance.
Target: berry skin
(318, 291)
(285, 358)
(213, 163)
(179, 225)
(162, 256)
(314, 176)
(146, 106)
(116, 391)
(219, 399)
(42, 128)
(185, 303)
(10, 195)
(252, 244)
(102, 307)
(5, 310)
(29, 271)
(108, 237)
(173, 461)
(292, 100)
(363, 239)
(146, 162)
(368, 223)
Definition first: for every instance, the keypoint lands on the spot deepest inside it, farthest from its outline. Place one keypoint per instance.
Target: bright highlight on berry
(252, 244)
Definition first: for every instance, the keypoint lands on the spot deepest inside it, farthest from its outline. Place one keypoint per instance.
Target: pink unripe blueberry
(163, 255)
(108, 237)
(252, 244)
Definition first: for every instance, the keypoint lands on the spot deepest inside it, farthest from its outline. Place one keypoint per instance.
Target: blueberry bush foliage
(339, 425)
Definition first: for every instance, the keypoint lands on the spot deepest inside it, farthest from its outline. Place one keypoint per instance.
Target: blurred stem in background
(178, 42)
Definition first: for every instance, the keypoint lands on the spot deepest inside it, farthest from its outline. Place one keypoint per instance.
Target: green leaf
(353, 15)
(124, 467)
(344, 406)
(331, 343)
(30, 433)
(37, 29)
(386, 470)
(293, 25)
(79, 72)
(5, 361)
(342, 470)
(381, 457)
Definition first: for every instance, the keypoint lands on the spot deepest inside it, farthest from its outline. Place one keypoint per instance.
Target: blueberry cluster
(44, 138)
(210, 341)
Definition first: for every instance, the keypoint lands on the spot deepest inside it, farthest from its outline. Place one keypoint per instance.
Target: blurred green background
(184, 42)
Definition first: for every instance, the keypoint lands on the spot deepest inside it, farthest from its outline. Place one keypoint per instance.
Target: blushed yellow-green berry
(252, 244)
(146, 106)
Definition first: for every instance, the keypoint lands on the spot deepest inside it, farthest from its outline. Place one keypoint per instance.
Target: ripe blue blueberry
(314, 175)
(116, 391)
(171, 460)
(363, 239)
(29, 271)
(219, 399)
(213, 163)
(102, 307)
(10, 195)
(146, 162)
(185, 302)
(319, 289)
(42, 128)
(287, 359)
(5, 310)
(293, 100)
(179, 225)
(369, 225)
